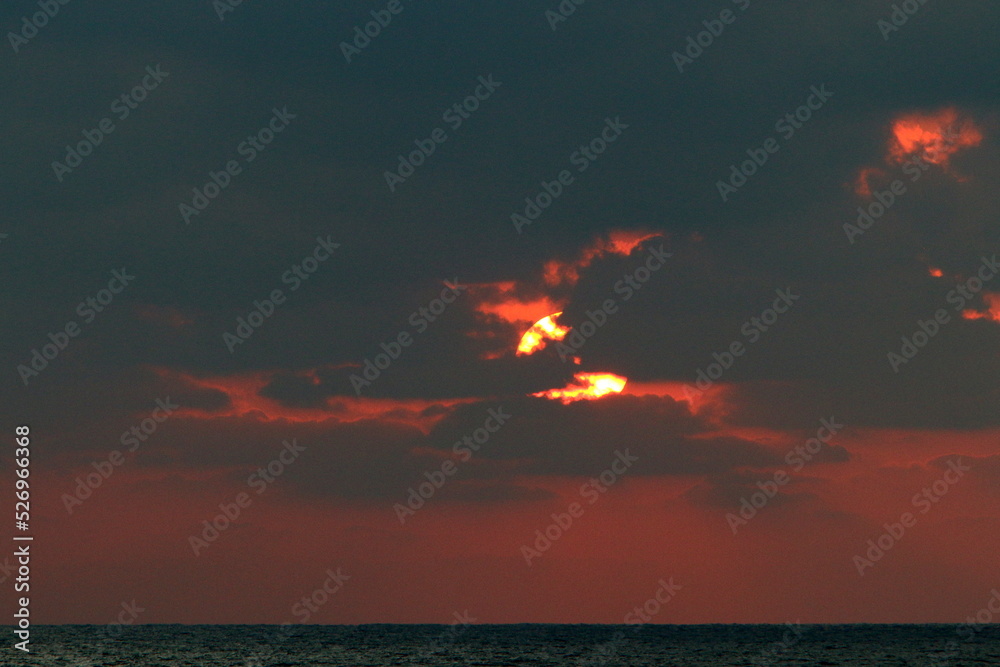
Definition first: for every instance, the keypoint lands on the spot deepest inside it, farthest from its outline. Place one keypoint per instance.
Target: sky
(506, 310)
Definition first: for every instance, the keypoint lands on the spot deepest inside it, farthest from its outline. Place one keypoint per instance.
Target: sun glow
(545, 329)
(586, 386)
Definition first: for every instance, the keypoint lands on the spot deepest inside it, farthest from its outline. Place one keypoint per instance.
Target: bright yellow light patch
(586, 386)
(545, 329)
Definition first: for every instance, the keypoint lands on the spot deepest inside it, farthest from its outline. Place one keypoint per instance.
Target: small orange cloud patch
(618, 242)
(935, 272)
(991, 313)
(502, 300)
(537, 337)
(925, 139)
(586, 386)
(624, 241)
(932, 137)
(862, 186)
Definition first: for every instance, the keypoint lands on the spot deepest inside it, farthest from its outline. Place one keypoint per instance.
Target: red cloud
(586, 386)
(932, 137)
(618, 242)
(992, 311)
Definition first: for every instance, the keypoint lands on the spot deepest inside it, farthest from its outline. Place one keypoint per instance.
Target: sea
(536, 645)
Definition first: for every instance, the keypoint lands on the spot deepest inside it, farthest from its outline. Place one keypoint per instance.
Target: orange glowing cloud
(933, 137)
(992, 312)
(501, 300)
(935, 272)
(586, 386)
(542, 331)
(504, 302)
(246, 401)
(529, 307)
(618, 242)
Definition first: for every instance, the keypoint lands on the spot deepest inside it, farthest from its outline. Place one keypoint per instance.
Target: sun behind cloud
(586, 386)
(542, 331)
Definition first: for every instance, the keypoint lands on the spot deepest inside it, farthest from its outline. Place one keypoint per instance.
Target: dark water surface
(540, 645)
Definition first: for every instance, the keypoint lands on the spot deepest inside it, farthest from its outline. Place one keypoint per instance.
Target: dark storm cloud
(544, 437)
(323, 176)
(376, 460)
(84, 413)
